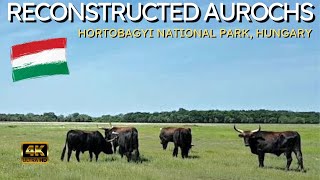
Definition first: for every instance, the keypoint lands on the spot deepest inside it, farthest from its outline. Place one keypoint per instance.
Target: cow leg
(136, 155)
(121, 151)
(300, 159)
(69, 153)
(97, 156)
(289, 159)
(129, 156)
(187, 152)
(90, 153)
(77, 155)
(182, 152)
(261, 159)
(175, 151)
(115, 147)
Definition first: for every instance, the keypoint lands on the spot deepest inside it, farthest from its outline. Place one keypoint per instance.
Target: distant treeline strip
(180, 116)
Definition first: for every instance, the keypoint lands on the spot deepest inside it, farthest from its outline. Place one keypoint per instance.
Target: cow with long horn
(126, 139)
(261, 142)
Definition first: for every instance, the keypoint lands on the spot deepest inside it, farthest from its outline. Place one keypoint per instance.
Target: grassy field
(218, 154)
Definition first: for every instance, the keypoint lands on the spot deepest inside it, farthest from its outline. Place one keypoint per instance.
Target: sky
(112, 76)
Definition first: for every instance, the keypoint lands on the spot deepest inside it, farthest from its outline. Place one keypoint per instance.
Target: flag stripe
(36, 46)
(40, 70)
(43, 57)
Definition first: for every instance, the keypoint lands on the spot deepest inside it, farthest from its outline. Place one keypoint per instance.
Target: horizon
(112, 76)
(152, 112)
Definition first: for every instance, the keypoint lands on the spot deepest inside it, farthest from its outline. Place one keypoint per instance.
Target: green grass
(218, 154)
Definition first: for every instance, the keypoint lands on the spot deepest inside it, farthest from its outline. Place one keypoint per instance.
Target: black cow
(113, 132)
(81, 141)
(182, 138)
(127, 140)
(166, 136)
(261, 142)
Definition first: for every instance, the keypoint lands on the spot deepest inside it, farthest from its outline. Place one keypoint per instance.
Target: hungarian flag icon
(39, 58)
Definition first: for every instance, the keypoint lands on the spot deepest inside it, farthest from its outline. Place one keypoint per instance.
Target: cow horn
(238, 130)
(111, 139)
(257, 130)
(103, 128)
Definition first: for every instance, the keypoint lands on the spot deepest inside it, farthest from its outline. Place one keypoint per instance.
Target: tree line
(180, 116)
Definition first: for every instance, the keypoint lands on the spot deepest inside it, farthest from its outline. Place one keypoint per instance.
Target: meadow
(218, 154)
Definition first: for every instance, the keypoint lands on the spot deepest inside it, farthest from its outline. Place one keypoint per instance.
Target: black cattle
(81, 141)
(182, 138)
(261, 142)
(113, 132)
(166, 136)
(127, 140)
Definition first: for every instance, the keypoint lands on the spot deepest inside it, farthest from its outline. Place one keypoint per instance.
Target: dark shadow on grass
(12, 126)
(142, 159)
(111, 159)
(194, 157)
(284, 169)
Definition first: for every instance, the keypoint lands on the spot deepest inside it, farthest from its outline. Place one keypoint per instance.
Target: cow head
(163, 140)
(246, 135)
(164, 144)
(108, 132)
(108, 148)
(110, 136)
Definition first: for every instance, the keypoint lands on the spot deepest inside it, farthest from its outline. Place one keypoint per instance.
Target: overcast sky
(111, 76)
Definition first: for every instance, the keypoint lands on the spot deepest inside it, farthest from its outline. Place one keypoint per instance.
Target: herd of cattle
(126, 138)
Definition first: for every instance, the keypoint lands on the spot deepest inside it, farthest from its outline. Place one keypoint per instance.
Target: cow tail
(64, 149)
(299, 153)
(131, 142)
(298, 142)
(135, 146)
(135, 140)
(181, 139)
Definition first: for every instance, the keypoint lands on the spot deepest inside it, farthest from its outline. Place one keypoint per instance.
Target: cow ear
(189, 129)
(240, 135)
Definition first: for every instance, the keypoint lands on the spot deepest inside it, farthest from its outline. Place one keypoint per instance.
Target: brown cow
(166, 136)
(181, 137)
(261, 142)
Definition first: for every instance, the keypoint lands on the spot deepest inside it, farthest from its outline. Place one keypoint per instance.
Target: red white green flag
(39, 58)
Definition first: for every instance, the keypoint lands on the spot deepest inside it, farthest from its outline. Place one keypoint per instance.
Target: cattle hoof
(302, 170)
